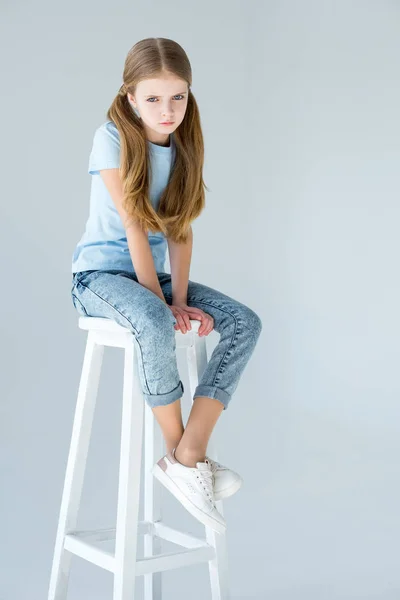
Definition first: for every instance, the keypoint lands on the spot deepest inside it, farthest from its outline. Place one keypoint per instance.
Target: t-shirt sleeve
(105, 152)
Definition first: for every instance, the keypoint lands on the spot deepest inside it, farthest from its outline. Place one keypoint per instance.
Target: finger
(195, 313)
(176, 314)
(204, 327)
(181, 322)
(195, 317)
(209, 327)
(186, 318)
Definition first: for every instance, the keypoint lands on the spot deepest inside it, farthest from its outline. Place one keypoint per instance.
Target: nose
(167, 113)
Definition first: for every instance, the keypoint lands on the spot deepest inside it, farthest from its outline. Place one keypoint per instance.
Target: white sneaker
(193, 487)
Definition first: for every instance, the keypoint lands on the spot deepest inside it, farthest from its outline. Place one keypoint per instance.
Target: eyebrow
(155, 95)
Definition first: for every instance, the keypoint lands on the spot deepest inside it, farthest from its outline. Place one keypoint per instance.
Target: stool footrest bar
(195, 550)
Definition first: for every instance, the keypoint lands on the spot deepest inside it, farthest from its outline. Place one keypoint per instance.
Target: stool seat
(102, 324)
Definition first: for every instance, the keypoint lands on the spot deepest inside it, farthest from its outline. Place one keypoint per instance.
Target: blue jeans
(118, 295)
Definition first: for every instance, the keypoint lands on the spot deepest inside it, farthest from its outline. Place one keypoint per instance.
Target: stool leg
(153, 450)
(76, 464)
(129, 479)
(218, 567)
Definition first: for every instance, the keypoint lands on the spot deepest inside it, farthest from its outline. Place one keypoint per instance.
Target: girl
(147, 187)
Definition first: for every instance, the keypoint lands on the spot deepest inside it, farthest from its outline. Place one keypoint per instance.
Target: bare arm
(137, 239)
(180, 256)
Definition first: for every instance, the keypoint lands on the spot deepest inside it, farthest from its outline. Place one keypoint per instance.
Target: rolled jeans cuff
(211, 391)
(154, 400)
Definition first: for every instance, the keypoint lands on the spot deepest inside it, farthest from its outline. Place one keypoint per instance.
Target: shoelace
(206, 478)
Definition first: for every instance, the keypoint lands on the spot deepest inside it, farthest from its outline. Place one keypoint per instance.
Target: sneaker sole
(190, 507)
(229, 491)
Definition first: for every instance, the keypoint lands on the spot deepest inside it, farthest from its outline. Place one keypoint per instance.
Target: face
(158, 100)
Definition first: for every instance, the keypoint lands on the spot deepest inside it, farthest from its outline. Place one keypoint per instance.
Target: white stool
(135, 413)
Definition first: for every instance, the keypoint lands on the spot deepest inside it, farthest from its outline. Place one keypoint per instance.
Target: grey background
(300, 111)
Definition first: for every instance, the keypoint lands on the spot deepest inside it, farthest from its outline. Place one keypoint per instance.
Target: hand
(183, 313)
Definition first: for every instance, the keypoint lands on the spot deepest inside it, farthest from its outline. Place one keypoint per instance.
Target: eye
(154, 97)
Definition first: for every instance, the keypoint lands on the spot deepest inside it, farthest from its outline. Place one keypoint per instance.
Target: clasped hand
(183, 313)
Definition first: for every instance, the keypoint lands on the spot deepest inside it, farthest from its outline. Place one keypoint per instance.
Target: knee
(160, 320)
(252, 321)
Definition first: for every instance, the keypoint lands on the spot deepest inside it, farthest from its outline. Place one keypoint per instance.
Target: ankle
(171, 445)
(188, 457)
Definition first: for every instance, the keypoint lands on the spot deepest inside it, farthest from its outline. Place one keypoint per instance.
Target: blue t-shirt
(104, 244)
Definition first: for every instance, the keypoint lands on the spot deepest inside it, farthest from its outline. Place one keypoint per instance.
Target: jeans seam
(130, 323)
(165, 393)
(80, 303)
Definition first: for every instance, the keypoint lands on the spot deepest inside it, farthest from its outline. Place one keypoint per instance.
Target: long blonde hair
(183, 198)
